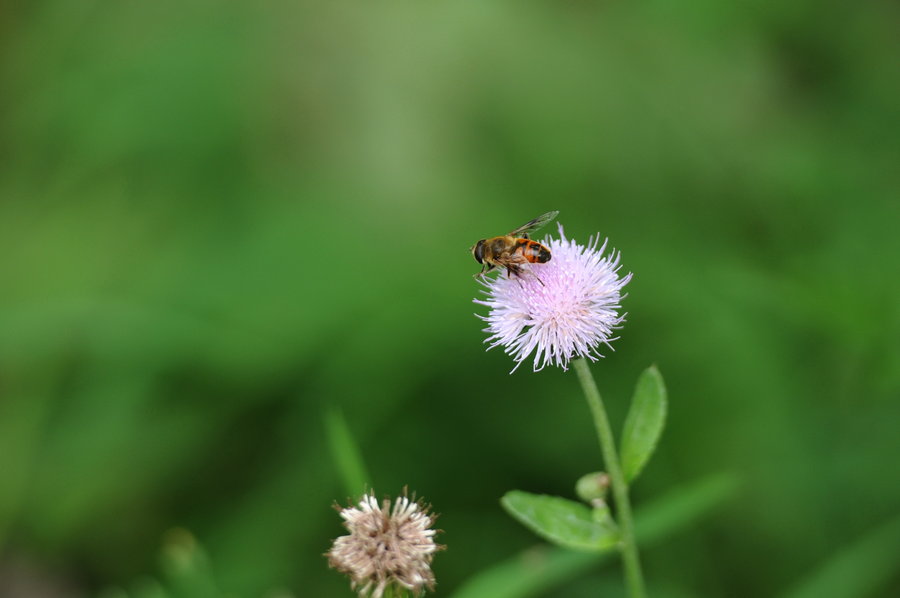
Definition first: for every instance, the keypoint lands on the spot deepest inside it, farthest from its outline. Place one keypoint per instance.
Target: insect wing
(512, 259)
(533, 225)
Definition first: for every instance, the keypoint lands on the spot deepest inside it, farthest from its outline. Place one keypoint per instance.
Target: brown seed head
(386, 545)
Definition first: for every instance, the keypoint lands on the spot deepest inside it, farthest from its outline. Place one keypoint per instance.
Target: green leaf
(532, 572)
(149, 588)
(346, 454)
(561, 521)
(645, 422)
(682, 505)
(186, 567)
(860, 569)
(537, 570)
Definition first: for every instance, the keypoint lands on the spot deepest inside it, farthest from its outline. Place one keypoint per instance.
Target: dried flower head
(387, 545)
(558, 310)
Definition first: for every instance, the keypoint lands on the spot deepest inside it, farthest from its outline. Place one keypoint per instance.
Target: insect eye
(478, 251)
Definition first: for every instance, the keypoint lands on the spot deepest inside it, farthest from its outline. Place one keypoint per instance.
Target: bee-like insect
(513, 249)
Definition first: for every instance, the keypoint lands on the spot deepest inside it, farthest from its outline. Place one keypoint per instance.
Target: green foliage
(216, 218)
(859, 569)
(186, 567)
(346, 454)
(186, 573)
(542, 568)
(644, 424)
(686, 503)
(564, 522)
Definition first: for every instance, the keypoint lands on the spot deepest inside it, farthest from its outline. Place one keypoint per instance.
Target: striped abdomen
(532, 251)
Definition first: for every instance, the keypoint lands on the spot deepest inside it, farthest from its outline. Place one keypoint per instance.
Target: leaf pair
(539, 569)
(575, 525)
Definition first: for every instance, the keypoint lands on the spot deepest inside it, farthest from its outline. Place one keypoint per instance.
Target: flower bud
(592, 486)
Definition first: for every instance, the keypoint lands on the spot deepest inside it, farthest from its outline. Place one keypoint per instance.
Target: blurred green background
(216, 221)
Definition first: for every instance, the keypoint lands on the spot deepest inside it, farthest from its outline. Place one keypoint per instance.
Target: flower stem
(392, 591)
(630, 560)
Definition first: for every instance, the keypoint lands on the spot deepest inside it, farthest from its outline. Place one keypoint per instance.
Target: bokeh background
(217, 221)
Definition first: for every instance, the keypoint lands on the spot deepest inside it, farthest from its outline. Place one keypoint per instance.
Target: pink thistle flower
(559, 310)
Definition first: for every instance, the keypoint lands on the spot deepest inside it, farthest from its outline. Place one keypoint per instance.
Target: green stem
(392, 591)
(630, 560)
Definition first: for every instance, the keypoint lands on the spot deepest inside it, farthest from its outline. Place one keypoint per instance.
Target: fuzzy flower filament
(387, 545)
(558, 310)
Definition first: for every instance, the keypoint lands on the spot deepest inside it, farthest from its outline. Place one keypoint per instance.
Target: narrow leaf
(682, 505)
(346, 454)
(561, 521)
(860, 569)
(186, 567)
(645, 422)
(149, 588)
(530, 573)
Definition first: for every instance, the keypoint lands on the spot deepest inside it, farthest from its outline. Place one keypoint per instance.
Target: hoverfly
(513, 249)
